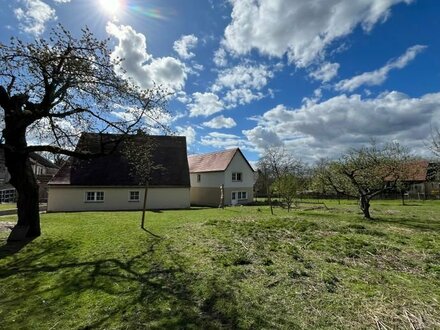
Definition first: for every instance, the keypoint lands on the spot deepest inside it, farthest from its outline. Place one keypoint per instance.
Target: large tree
(52, 90)
(366, 172)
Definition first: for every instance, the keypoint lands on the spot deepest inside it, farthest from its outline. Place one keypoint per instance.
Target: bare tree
(266, 178)
(435, 145)
(366, 172)
(52, 90)
(282, 173)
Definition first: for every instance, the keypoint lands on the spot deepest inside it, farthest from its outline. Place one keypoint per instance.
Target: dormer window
(236, 176)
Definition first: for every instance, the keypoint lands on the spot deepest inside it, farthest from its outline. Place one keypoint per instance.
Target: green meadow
(319, 266)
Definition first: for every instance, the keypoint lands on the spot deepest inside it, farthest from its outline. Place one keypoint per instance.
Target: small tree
(139, 151)
(52, 90)
(282, 173)
(366, 172)
(287, 186)
(266, 178)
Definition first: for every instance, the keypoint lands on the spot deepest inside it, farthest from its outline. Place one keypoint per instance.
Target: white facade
(74, 198)
(238, 181)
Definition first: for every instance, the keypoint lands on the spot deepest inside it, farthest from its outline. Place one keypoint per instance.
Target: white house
(109, 182)
(228, 169)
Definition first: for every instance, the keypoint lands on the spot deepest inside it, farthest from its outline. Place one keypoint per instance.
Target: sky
(315, 76)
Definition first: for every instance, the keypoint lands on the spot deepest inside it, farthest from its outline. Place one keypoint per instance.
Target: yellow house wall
(115, 198)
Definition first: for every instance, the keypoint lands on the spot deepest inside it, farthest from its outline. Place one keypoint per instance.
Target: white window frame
(96, 197)
(237, 176)
(240, 195)
(130, 199)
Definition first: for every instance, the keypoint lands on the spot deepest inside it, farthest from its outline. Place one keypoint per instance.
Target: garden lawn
(234, 268)
(7, 206)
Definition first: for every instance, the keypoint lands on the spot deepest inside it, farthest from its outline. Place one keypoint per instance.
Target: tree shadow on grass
(12, 247)
(152, 289)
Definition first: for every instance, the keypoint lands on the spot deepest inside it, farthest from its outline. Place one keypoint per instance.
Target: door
(234, 198)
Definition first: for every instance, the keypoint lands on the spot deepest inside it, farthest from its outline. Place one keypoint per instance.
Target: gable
(241, 161)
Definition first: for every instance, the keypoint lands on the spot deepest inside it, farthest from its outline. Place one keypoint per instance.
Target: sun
(111, 7)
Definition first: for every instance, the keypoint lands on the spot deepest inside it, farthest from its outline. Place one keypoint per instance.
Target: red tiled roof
(416, 171)
(212, 162)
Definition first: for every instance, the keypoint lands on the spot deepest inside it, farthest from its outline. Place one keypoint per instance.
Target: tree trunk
(269, 197)
(144, 206)
(17, 162)
(364, 203)
(402, 195)
(23, 179)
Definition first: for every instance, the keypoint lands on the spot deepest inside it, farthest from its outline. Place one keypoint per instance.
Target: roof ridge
(214, 152)
(134, 134)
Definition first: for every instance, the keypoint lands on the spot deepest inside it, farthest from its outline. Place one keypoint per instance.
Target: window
(242, 195)
(239, 195)
(8, 195)
(199, 177)
(236, 176)
(133, 196)
(94, 196)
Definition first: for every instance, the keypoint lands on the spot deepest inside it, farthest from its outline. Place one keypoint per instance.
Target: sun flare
(111, 7)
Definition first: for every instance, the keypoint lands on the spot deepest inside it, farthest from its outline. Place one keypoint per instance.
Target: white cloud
(243, 76)
(241, 96)
(242, 83)
(205, 104)
(309, 101)
(189, 133)
(220, 57)
(378, 76)
(326, 72)
(198, 67)
(184, 45)
(61, 1)
(302, 29)
(330, 127)
(263, 138)
(220, 122)
(34, 15)
(183, 97)
(224, 141)
(141, 67)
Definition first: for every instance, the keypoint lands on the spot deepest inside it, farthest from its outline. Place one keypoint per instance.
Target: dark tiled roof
(115, 170)
(214, 161)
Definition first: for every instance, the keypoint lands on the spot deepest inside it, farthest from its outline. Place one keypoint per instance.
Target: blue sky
(316, 76)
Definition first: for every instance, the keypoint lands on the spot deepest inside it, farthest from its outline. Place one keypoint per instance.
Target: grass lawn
(7, 206)
(233, 268)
